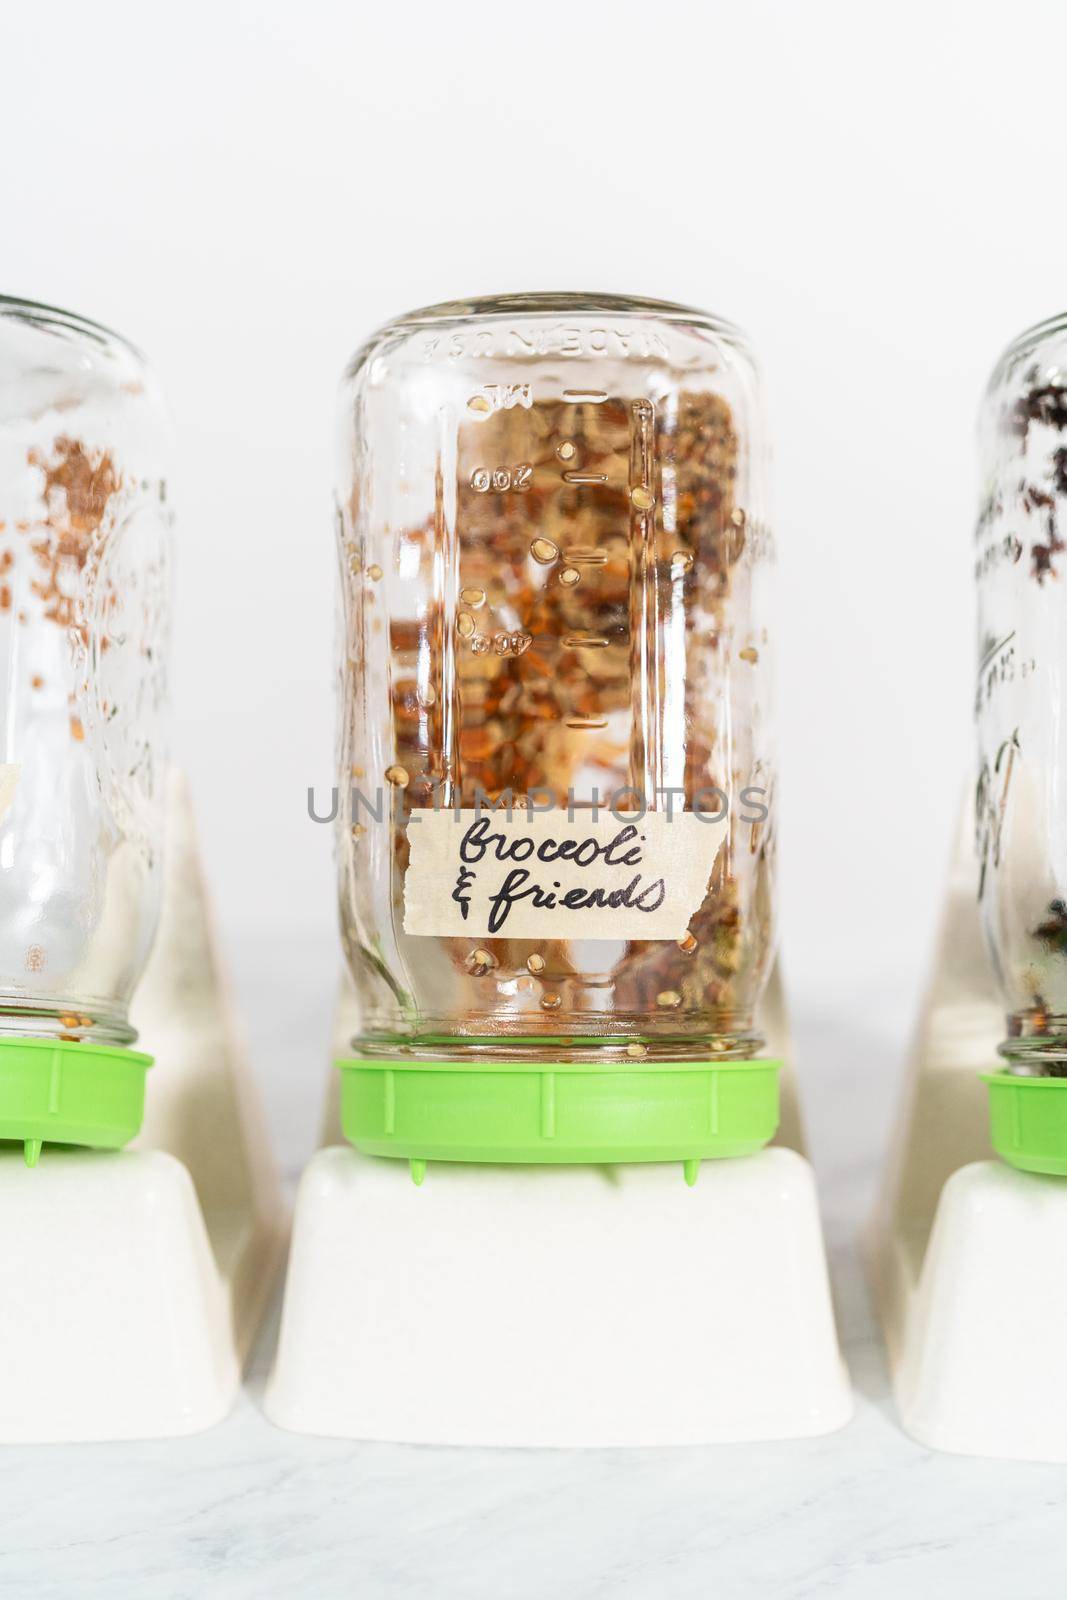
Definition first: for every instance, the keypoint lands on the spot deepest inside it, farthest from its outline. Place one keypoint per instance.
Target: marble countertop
(249, 1511)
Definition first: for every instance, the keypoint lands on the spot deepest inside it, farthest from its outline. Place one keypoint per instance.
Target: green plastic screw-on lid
(1028, 1121)
(511, 1111)
(59, 1091)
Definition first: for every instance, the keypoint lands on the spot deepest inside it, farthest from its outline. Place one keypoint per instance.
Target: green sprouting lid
(1028, 1121)
(546, 1113)
(61, 1091)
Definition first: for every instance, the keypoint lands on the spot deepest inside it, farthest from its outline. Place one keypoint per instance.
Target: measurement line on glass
(585, 477)
(585, 397)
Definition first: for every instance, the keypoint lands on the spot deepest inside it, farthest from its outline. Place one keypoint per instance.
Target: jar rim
(36, 311)
(578, 302)
(1024, 343)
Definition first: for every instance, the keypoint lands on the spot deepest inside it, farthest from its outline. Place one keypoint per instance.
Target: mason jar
(85, 532)
(555, 763)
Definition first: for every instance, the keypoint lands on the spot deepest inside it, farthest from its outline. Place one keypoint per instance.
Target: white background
(246, 191)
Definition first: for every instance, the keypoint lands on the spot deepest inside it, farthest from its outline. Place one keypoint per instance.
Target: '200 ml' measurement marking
(517, 478)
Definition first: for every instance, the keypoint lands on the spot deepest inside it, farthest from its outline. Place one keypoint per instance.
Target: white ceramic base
(558, 1306)
(134, 1281)
(984, 1318)
(115, 1319)
(967, 1254)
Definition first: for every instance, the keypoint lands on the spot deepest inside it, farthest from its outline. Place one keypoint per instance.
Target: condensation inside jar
(554, 552)
(83, 642)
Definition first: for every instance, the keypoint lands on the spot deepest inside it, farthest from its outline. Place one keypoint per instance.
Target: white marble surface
(248, 1511)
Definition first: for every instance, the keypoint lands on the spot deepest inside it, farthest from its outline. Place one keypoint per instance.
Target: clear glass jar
(1022, 691)
(84, 619)
(554, 560)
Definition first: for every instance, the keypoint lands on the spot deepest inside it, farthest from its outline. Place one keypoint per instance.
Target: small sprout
(397, 776)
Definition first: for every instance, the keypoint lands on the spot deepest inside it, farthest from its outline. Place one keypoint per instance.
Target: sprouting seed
(544, 551)
(668, 998)
(397, 776)
(479, 962)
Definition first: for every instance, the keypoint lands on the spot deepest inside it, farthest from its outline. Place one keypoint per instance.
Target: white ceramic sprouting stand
(968, 1252)
(135, 1279)
(560, 1305)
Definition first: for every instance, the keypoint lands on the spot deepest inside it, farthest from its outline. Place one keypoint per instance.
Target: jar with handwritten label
(84, 594)
(555, 803)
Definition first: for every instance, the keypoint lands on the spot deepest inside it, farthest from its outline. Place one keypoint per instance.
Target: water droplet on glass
(642, 498)
(472, 597)
(535, 964)
(668, 998)
(688, 944)
(636, 1050)
(465, 625)
(550, 1002)
(569, 577)
(749, 654)
(374, 572)
(479, 405)
(565, 451)
(544, 551)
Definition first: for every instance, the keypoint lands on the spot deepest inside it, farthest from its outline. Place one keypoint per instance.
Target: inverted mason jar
(1022, 736)
(556, 837)
(84, 619)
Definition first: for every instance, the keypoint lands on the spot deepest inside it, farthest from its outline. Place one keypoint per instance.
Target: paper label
(552, 876)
